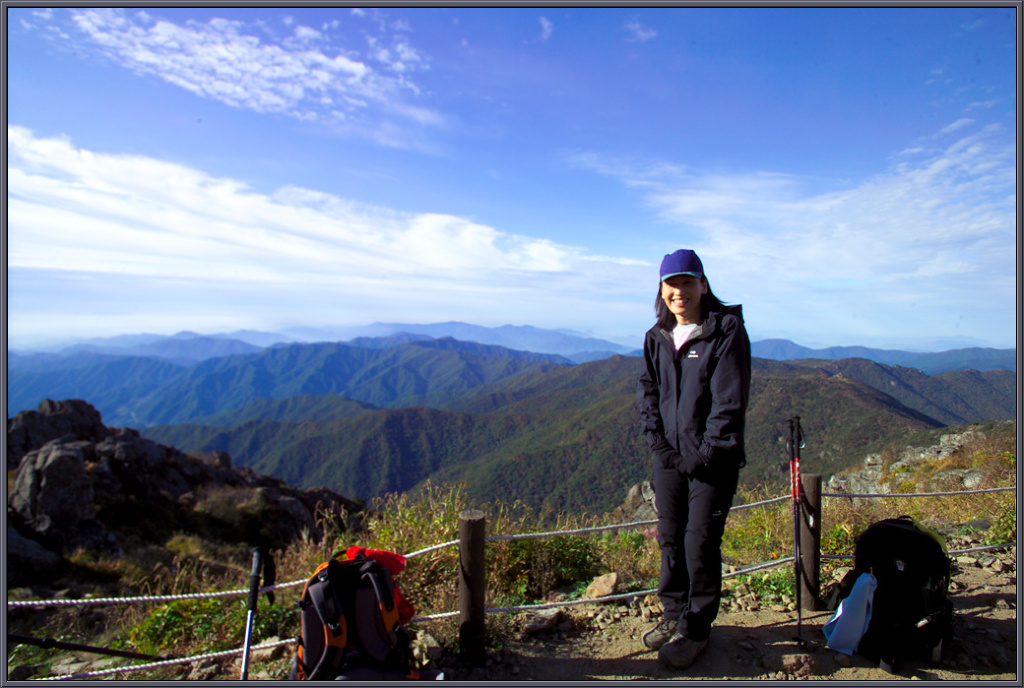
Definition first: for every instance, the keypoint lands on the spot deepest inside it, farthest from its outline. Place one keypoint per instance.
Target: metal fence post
(810, 539)
(472, 582)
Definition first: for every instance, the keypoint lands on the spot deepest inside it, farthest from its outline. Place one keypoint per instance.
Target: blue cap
(682, 262)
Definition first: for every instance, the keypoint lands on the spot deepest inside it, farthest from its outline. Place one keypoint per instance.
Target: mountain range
(976, 358)
(140, 391)
(567, 438)
(383, 414)
(185, 348)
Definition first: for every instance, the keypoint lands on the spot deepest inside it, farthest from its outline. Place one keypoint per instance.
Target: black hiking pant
(691, 522)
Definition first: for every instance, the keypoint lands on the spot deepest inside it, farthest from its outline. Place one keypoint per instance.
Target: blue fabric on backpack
(846, 627)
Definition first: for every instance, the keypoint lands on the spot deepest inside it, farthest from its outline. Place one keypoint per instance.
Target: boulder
(218, 459)
(958, 479)
(541, 620)
(426, 649)
(27, 560)
(291, 518)
(52, 494)
(30, 430)
(602, 586)
(638, 505)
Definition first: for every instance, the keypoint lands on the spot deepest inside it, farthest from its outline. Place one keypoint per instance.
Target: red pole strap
(794, 466)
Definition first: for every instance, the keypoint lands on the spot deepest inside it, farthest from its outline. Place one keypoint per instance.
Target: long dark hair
(708, 303)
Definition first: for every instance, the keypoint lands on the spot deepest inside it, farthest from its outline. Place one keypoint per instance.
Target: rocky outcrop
(52, 492)
(80, 484)
(29, 552)
(875, 478)
(32, 429)
(638, 506)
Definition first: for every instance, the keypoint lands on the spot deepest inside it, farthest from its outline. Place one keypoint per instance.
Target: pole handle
(250, 617)
(254, 578)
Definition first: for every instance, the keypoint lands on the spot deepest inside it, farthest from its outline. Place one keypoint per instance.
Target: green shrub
(838, 539)
(536, 566)
(197, 624)
(635, 556)
(775, 584)
(757, 534)
(1004, 525)
(208, 625)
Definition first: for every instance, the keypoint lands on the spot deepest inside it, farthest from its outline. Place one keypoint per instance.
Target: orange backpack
(350, 618)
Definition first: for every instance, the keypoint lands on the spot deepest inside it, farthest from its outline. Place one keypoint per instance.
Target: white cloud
(305, 34)
(959, 124)
(546, 28)
(302, 77)
(981, 104)
(639, 32)
(937, 230)
(938, 78)
(72, 211)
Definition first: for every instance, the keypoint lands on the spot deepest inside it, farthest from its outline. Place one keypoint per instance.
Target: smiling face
(681, 293)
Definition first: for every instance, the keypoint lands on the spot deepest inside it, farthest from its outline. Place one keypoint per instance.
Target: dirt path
(762, 644)
(602, 642)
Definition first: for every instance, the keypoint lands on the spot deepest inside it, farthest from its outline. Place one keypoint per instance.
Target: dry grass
(519, 571)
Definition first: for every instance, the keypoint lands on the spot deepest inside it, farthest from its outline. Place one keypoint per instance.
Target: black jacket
(693, 402)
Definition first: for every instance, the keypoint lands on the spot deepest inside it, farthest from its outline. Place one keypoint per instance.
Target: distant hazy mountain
(256, 338)
(52, 362)
(956, 359)
(953, 397)
(188, 347)
(183, 348)
(391, 340)
(114, 385)
(140, 391)
(519, 337)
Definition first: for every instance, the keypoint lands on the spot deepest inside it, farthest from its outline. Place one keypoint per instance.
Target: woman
(693, 395)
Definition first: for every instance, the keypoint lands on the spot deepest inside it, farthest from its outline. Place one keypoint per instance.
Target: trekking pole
(250, 619)
(794, 469)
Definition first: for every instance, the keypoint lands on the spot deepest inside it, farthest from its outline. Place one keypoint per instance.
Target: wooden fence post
(810, 540)
(472, 582)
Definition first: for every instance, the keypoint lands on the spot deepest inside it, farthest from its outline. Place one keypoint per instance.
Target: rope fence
(889, 495)
(462, 612)
(164, 663)
(281, 586)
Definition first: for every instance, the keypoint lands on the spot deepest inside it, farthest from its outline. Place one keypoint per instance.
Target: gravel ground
(602, 642)
(751, 640)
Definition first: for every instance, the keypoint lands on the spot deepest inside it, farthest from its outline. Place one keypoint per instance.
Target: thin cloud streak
(930, 239)
(639, 33)
(546, 28)
(303, 76)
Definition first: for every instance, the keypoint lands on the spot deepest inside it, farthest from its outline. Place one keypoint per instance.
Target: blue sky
(847, 174)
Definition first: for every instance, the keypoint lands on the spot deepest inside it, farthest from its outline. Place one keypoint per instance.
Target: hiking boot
(680, 652)
(660, 634)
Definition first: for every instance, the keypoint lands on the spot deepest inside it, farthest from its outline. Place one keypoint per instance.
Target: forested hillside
(382, 416)
(564, 438)
(143, 391)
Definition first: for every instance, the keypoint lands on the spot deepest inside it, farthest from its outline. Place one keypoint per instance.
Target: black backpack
(911, 614)
(349, 621)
